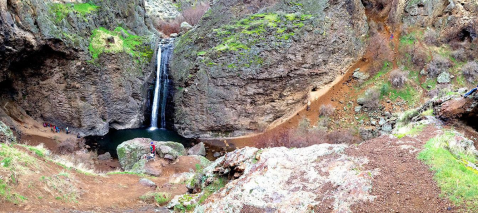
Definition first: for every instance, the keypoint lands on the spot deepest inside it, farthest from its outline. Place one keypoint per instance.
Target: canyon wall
(77, 64)
(250, 63)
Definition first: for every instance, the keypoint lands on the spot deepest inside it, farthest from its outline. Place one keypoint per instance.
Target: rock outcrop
(321, 176)
(82, 65)
(248, 64)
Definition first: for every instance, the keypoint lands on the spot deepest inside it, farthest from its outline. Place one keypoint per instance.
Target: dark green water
(109, 142)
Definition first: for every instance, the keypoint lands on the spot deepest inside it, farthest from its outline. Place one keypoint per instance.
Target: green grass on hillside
(61, 11)
(134, 45)
(457, 180)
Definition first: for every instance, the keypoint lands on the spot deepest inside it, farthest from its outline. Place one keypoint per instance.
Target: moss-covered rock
(131, 154)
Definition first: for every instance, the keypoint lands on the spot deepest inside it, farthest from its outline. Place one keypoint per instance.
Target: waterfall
(161, 88)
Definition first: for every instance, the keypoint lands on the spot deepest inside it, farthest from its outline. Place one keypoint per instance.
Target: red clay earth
(405, 184)
(110, 193)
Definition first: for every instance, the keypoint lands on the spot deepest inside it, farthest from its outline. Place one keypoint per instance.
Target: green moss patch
(119, 40)
(248, 31)
(61, 11)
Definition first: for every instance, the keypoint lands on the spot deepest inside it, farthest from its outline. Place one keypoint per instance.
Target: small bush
(460, 55)
(304, 125)
(67, 147)
(341, 137)
(326, 110)
(170, 27)
(398, 78)
(438, 65)
(371, 98)
(193, 14)
(158, 197)
(430, 37)
(470, 71)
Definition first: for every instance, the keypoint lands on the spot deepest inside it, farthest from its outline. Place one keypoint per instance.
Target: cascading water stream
(161, 88)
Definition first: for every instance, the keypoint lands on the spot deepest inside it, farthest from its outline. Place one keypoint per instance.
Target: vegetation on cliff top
(61, 11)
(120, 40)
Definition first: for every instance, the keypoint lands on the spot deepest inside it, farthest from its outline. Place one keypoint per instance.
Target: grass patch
(409, 130)
(160, 198)
(246, 32)
(209, 190)
(429, 84)
(61, 11)
(120, 41)
(408, 93)
(387, 67)
(457, 180)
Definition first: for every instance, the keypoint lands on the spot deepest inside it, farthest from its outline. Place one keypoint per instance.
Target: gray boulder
(105, 157)
(170, 150)
(185, 27)
(444, 78)
(147, 182)
(131, 152)
(198, 149)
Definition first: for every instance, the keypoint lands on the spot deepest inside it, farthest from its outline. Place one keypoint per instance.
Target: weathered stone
(270, 182)
(130, 152)
(358, 109)
(185, 27)
(147, 182)
(198, 149)
(444, 78)
(361, 76)
(104, 157)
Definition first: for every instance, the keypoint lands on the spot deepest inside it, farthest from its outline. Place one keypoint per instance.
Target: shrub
(398, 78)
(193, 14)
(371, 98)
(341, 137)
(470, 71)
(438, 65)
(430, 37)
(460, 55)
(67, 147)
(170, 27)
(326, 110)
(304, 125)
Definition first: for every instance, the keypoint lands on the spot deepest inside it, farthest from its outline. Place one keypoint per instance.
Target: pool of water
(109, 142)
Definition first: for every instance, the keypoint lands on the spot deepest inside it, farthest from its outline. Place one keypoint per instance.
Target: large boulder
(131, 152)
(198, 149)
(289, 180)
(170, 150)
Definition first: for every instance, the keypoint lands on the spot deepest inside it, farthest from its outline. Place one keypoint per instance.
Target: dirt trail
(405, 184)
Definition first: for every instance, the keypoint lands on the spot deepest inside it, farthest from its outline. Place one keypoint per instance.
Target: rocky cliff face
(248, 64)
(83, 65)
